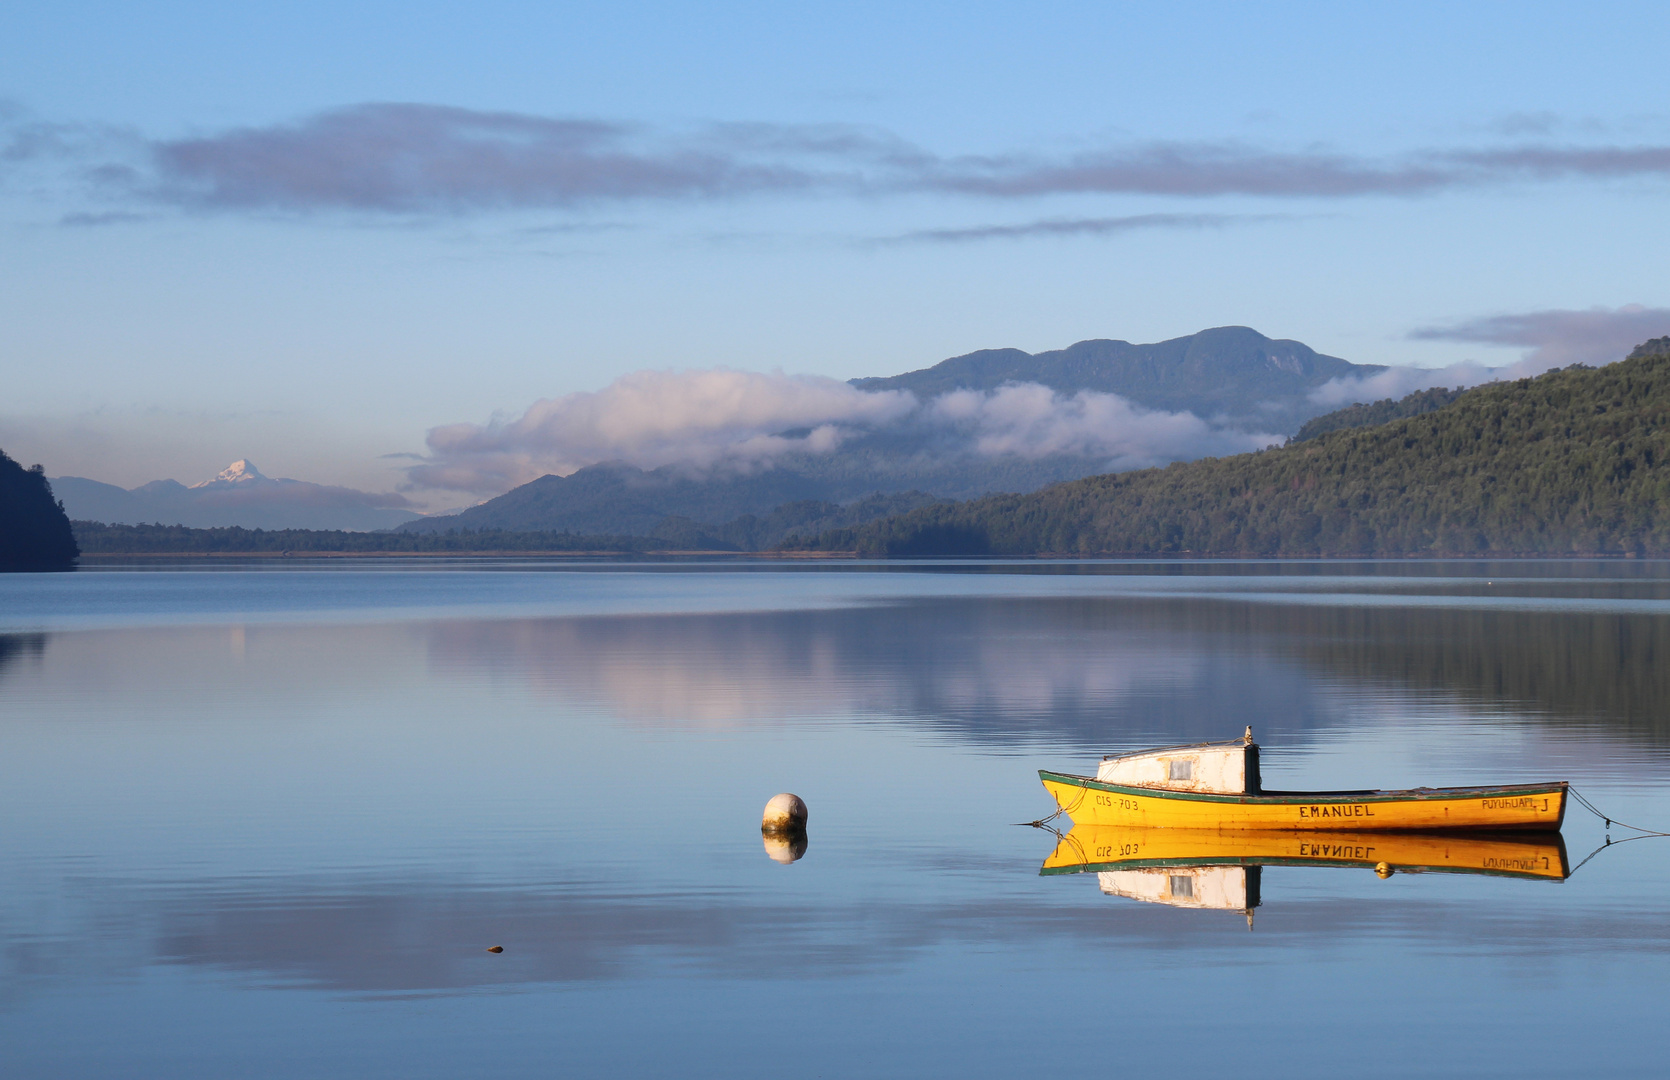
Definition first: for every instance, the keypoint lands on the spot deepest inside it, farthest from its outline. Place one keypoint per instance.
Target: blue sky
(203, 256)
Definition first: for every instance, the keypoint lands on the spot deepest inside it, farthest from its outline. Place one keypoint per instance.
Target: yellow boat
(1216, 786)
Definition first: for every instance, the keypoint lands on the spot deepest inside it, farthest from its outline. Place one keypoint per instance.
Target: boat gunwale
(1296, 798)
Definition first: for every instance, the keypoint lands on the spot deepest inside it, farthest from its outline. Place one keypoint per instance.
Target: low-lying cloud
(738, 419)
(1551, 338)
(1031, 420)
(655, 418)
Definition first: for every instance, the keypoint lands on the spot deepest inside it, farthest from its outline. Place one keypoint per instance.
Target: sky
(315, 234)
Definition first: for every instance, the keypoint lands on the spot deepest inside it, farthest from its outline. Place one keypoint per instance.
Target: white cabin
(1219, 768)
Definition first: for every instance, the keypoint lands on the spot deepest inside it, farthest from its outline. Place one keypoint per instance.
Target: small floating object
(783, 814)
(1383, 869)
(1216, 786)
(495, 948)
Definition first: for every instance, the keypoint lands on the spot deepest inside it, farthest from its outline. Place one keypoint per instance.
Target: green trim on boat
(1297, 798)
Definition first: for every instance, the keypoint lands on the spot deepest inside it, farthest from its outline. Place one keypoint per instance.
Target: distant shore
(680, 553)
(825, 556)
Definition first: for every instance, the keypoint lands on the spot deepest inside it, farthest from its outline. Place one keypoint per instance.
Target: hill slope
(1228, 371)
(1571, 462)
(34, 530)
(616, 498)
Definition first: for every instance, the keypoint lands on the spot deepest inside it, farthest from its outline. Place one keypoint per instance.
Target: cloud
(655, 418)
(1210, 169)
(1104, 226)
(1552, 338)
(1556, 338)
(1034, 421)
(714, 417)
(1561, 162)
(1519, 124)
(1191, 169)
(1395, 382)
(107, 217)
(87, 149)
(413, 158)
(405, 158)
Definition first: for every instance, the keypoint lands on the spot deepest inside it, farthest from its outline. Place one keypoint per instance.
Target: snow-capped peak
(242, 471)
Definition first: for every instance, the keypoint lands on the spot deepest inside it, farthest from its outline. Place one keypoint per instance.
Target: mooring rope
(1641, 834)
(1044, 822)
(1610, 820)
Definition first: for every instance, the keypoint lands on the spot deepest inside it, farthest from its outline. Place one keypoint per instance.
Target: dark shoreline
(824, 556)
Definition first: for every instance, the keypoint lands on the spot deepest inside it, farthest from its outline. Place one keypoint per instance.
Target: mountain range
(239, 496)
(1231, 374)
(1236, 386)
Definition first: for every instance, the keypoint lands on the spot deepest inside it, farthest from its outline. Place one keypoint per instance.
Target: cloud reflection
(425, 937)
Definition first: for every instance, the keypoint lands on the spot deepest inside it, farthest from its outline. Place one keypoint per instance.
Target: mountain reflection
(988, 669)
(1083, 672)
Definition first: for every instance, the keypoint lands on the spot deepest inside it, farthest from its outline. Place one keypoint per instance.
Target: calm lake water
(265, 819)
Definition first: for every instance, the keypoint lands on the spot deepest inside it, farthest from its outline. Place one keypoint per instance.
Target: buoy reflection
(785, 847)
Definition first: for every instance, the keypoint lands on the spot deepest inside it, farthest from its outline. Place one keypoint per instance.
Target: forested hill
(34, 531)
(1571, 462)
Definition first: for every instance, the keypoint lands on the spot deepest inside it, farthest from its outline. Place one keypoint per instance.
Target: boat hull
(1521, 807)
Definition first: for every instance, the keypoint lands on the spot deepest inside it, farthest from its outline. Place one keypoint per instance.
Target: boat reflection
(1222, 871)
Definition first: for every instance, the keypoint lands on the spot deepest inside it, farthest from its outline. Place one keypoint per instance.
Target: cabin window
(1182, 887)
(1181, 769)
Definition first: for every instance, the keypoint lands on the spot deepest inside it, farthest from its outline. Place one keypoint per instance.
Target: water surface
(264, 819)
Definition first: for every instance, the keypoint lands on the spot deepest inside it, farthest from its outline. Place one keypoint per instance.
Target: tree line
(98, 538)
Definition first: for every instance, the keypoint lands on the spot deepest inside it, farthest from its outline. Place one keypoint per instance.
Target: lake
(266, 818)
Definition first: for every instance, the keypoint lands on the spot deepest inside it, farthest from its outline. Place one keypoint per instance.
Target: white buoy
(784, 813)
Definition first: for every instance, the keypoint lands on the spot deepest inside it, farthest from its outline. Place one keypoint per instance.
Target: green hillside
(1570, 462)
